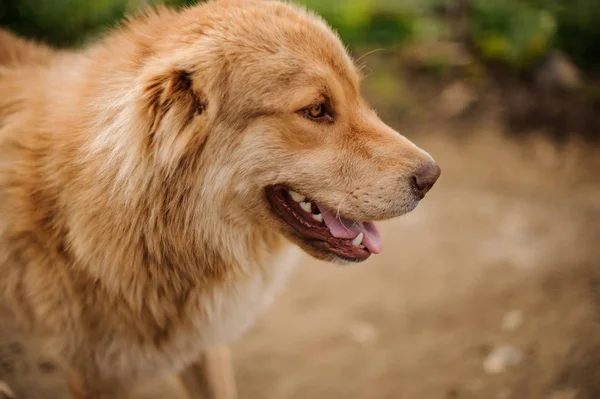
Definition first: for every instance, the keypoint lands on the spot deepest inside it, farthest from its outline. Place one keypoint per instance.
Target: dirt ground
(502, 254)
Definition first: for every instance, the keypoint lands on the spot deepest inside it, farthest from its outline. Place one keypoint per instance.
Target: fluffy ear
(175, 111)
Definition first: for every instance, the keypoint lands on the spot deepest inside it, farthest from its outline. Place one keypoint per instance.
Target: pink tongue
(345, 228)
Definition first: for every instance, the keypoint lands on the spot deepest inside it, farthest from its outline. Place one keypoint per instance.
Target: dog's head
(263, 100)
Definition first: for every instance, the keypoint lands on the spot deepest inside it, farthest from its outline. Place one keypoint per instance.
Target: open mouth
(324, 229)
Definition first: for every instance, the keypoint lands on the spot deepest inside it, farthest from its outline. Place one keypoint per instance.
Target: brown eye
(316, 111)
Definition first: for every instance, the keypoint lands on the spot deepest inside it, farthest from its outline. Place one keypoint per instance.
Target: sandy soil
(510, 228)
(503, 252)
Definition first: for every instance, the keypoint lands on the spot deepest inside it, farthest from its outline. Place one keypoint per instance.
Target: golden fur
(134, 230)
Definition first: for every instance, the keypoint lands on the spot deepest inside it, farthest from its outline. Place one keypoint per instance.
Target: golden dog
(155, 187)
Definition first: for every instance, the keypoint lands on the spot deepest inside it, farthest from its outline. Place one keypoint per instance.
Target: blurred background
(491, 289)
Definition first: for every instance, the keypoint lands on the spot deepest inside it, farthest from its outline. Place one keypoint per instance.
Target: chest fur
(224, 315)
(231, 310)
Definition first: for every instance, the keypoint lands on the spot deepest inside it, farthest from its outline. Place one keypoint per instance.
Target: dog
(158, 186)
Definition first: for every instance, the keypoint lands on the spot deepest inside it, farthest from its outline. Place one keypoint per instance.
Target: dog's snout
(426, 177)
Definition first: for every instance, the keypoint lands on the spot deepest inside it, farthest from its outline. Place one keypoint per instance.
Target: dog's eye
(318, 112)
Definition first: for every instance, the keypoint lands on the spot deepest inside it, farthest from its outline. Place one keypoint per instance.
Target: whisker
(337, 212)
(362, 75)
(369, 53)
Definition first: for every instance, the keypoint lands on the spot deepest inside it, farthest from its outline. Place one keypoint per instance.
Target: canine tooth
(358, 240)
(318, 217)
(306, 206)
(297, 197)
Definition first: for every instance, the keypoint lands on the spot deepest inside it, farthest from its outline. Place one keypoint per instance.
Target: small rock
(456, 99)
(363, 333)
(568, 393)
(504, 394)
(558, 72)
(5, 391)
(512, 320)
(502, 358)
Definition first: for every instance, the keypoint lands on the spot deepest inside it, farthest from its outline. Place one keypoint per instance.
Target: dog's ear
(175, 111)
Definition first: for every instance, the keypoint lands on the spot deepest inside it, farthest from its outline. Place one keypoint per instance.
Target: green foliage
(511, 31)
(516, 32)
(61, 22)
(519, 31)
(373, 21)
(579, 29)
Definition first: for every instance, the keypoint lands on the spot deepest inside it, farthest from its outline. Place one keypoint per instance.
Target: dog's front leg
(212, 377)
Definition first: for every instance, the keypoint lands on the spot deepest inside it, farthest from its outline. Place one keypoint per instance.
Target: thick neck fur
(171, 230)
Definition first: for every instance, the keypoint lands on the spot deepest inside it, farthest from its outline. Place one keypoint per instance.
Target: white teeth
(306, 206)
(297, 197)
(318, 217)
(361, 246)
(358, 240)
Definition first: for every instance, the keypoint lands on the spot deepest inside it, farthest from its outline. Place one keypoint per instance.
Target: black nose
(425, 178)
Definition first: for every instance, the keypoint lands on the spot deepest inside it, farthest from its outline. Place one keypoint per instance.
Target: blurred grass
(514, 32)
